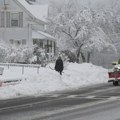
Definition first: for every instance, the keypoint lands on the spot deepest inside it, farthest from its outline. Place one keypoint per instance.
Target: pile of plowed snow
(74, 76)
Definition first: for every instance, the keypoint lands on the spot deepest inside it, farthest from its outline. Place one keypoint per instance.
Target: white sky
(93, 3)
(81, 1)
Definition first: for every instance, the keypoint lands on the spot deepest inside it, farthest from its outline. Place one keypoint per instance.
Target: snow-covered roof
(47, 35)
(41, 35)
(38, 11)
(36, 35)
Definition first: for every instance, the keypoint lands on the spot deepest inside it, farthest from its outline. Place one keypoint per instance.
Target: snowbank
(74, 76)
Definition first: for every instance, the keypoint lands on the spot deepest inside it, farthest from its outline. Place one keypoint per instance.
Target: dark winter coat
(59, 65)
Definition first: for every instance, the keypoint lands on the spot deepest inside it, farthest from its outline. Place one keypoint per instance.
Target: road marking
(90, 97)
(114, 97)
(68, 109)
(95, 97)
(54, 95)
(47, 101)
(28, 105)
(87, 96)
(72, 96)
(99, 91)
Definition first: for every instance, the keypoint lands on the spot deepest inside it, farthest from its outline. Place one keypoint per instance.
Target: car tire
(115, 83)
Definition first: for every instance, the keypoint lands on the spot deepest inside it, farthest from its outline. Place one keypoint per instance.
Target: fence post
(38, 70)
(23, 70)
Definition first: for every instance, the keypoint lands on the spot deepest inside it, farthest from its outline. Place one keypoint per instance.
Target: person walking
(59, 65)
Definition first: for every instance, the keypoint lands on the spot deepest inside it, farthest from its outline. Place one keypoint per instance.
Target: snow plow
(114, 75)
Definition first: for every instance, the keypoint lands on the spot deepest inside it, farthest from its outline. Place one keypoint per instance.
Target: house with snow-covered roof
(24, 24)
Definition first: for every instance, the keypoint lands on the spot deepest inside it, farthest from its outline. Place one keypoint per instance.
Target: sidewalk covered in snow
(34, 84)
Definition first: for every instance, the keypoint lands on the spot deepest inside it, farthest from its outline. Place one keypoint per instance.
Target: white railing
(22, 66)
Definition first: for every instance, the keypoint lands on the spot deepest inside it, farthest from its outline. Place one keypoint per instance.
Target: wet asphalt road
(43, 107)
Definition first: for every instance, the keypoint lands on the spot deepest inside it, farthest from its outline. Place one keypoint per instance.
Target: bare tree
(80, 30)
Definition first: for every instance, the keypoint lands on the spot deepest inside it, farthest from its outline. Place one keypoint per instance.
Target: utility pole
(5, 8)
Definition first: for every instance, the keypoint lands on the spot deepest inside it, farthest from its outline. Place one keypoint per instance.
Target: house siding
(16, 34)
(21, 28)
(7, 32)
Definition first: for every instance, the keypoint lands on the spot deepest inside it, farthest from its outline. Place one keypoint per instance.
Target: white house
(24, 24)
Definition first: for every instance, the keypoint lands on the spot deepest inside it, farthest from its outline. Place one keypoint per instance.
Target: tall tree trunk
(78, 56)
(78, 53)
(88, 56)
(83, 57)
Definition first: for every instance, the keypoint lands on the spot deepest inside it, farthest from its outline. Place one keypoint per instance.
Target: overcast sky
(96, 3)
(81, 1)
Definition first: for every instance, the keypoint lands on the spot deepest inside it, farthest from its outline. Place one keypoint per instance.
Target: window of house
(11, 41)
(14, 19)
(41, 43)
(50, 46)
(4, 2)
(18, 42)
(47, 48)
(23, 42)
(41, 27)
(35, 41)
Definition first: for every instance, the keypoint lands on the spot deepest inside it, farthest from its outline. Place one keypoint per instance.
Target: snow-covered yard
(74, 76)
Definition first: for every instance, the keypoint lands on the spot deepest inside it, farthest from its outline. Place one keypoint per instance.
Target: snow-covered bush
(71, 56)
(19, 55)
(2, 54)
(13, 55)
(27, 54)
(3, 50)
(24, 54)
(40, 56)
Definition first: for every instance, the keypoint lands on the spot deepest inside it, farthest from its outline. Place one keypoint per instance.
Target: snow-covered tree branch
(83, 29)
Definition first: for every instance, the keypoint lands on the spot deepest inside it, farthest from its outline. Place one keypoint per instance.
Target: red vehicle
(114, 75)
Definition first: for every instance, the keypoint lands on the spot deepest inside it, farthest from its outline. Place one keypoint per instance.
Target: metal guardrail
(15, 64)
(22, 66)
